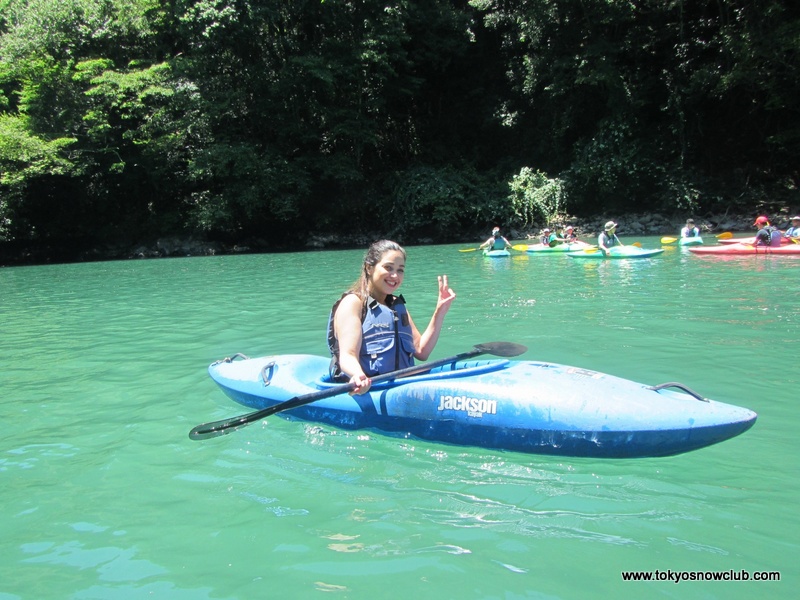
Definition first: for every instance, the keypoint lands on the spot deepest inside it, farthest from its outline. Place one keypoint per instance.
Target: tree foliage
(267, 120)
(536, 198)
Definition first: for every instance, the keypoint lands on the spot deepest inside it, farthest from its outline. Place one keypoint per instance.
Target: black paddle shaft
(225, 426)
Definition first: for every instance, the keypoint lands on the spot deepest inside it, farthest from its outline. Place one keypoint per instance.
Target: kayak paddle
(520, 247)
(668, 240)
(217, 428)
(725, 235)
(469, 249)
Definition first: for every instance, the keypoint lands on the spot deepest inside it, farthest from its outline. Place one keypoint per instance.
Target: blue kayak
(496, 253)
(522, 406)
(617, 252)
(690, 241)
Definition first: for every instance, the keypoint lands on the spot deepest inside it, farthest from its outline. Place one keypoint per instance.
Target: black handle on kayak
(680, 386)
(225, 426)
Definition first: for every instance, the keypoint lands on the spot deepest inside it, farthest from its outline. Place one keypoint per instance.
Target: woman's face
(387, 275)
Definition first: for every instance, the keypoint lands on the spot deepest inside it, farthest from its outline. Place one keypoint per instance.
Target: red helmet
(761, 221)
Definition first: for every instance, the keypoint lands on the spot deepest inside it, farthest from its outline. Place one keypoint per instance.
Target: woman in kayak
(370, 331)
(608, 238)
(496, 241)
(690, 230)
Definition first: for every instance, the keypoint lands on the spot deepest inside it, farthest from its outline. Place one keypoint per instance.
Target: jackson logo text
(474, 407)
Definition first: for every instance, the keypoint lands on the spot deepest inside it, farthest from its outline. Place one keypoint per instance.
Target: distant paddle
(225, 426)
(469, 249)
(726, 235)
(520, 247)
(668, 240)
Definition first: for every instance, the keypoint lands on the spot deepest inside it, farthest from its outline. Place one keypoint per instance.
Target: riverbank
(645, 224)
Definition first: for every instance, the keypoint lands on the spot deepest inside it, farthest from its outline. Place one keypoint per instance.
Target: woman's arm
(347, 328)
(425, 343)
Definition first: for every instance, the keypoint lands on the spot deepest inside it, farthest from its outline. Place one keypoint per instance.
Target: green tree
(61, 78)
(24, 157)
(536, 198)
(640, 105)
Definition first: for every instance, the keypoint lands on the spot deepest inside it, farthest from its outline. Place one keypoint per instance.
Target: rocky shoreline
(646, 224)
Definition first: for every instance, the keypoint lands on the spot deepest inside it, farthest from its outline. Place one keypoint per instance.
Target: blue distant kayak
(617, 252)
(523, 406)
(496, 253)
(690, 241)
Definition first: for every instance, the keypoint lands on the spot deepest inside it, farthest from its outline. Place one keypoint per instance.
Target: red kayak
(743, 249)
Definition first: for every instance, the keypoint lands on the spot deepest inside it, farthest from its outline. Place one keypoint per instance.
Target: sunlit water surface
(105, 497)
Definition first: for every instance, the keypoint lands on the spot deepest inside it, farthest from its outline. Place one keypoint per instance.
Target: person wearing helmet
(546, 237)
(793, 233)
(767, 235)
(496, 241)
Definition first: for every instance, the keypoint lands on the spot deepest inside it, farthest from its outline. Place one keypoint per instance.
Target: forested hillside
(265, 121)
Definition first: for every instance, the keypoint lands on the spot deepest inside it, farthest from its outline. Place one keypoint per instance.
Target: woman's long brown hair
(374, 254)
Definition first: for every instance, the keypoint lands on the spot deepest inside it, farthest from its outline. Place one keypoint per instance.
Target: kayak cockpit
(466, 368)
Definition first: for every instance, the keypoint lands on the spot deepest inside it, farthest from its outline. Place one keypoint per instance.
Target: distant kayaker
(370, 331)
(690, 230)
(794, 231)
(557, 237)
(570, 235)
(496, 241)
(608, 238)
(545, 239)
(767, 235)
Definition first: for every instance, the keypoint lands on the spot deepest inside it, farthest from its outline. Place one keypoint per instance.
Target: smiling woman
(370, 330)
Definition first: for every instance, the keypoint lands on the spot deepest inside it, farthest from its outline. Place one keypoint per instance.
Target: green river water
(105, 497)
